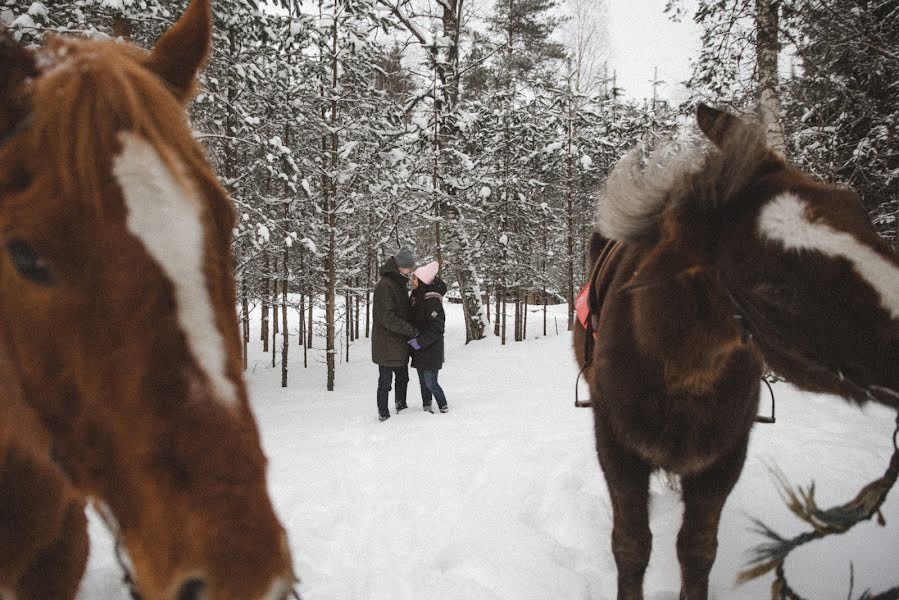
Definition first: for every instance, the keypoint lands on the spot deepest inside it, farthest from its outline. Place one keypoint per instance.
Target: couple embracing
(405, 325)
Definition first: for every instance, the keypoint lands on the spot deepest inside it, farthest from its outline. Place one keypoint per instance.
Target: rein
(811, 364)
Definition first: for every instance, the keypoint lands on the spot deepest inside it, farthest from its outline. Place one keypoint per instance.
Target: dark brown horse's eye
(780, 295)
(29, 265)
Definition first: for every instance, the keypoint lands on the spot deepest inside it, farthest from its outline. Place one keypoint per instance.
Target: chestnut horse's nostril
(192, 590)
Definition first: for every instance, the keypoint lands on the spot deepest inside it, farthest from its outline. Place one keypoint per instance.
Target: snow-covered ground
(502, 498)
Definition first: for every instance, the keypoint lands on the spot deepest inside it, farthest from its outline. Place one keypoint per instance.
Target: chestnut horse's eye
(29, 265)
(192, 590)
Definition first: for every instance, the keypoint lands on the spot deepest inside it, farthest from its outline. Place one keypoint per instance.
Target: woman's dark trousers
(430, 387)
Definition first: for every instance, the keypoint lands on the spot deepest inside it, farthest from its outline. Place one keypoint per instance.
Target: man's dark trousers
(385, 377)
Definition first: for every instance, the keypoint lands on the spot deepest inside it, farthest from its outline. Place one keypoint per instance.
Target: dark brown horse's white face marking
(785, 219)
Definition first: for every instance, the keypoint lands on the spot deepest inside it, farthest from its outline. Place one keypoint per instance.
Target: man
(391, 329)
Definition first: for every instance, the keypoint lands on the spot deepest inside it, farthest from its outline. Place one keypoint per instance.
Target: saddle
(591, 298)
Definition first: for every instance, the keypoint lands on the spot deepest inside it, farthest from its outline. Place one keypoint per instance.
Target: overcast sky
(644, 37)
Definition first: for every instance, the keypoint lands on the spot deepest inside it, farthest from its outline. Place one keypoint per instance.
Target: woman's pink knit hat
(428, 272)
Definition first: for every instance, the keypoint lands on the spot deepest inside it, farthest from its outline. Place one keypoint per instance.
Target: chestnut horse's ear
(182, 50)
(17, 64)
(717, 125)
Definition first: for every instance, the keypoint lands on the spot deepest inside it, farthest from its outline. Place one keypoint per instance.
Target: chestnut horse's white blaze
(785, 220)
(165, 214)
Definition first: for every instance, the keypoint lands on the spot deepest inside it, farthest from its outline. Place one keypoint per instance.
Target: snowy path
(502, 498)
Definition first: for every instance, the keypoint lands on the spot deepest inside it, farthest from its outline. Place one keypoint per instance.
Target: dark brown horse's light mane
(704, 177)
(104, 89)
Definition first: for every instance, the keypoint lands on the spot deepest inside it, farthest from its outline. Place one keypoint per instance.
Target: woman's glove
(414, 343)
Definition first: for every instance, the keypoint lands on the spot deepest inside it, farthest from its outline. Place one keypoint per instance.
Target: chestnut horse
(119, 346)
(728, 259)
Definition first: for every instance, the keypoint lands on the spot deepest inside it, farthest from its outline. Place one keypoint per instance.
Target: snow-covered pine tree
(841, 103)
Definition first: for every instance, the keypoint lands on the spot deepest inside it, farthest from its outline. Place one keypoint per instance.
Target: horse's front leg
(704, 494)
(57, 570)
(43, 546)
(627, 477)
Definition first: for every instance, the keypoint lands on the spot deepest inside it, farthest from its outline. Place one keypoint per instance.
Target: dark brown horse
(120, 355)
(728, 259)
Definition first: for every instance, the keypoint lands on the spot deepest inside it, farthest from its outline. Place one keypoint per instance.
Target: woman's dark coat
(391, 327)
(430, 320)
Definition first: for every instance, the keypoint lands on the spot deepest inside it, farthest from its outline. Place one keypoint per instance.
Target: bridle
(749, 330)
(128, 578)
(812, 364)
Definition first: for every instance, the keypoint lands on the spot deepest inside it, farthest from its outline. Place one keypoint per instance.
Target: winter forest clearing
(207, 245)
(502, 498)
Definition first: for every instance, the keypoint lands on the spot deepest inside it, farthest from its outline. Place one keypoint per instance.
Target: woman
(428, 317)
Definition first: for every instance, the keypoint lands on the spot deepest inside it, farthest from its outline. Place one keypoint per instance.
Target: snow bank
(502, 498)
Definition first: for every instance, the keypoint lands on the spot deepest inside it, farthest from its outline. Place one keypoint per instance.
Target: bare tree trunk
(245, 308)
(265, 300)
(301, 309)
(356, 310)
(767, 49)
(544, 311)
(497, 325)
(275, 326)
(285, 283)
(274, 301)
(310, 326)
(308, 329)
(349, 324)
(368, 310)
(301, 312)
(569, 218)
(518, 315)
(331, 216)
(285, 335)
(503, 327)
(368, 277)
(524, 318)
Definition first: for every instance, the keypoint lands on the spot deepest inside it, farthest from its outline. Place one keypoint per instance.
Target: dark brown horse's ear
(182, 50)
(717, 125)
(16, 66)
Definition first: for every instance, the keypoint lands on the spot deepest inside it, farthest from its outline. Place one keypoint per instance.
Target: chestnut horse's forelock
(82, 101)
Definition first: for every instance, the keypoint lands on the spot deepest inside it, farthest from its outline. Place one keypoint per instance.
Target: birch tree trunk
(444, 60)
(767, 50)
